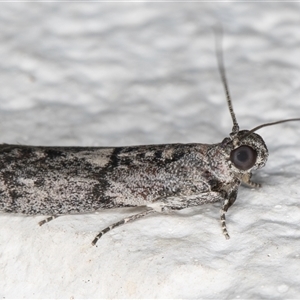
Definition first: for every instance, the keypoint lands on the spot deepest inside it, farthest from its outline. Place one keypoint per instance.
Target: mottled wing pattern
(62, 180)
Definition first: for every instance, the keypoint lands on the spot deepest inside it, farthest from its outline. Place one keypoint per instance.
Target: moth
(55, 181)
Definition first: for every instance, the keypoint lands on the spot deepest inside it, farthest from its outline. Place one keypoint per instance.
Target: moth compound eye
(244, 157)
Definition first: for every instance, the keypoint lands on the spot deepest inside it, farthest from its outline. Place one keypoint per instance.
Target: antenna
(219, 53)
(235, 128)
(268, 124)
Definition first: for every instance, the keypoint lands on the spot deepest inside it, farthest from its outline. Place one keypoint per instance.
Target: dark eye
(244, 157)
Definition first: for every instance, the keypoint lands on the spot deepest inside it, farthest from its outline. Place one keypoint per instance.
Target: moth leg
(223, 219)
(124, 221)
(48, 220)
(246, 179)
(228, 201)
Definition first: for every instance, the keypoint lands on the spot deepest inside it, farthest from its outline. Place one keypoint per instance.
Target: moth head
(248, 152)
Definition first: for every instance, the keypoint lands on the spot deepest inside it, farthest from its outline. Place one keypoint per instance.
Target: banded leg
(253, 184)
(124, 221)
(247, 180)
(223, 219)
(47, 220)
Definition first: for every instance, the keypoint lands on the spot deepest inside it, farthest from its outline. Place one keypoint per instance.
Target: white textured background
(105, 74)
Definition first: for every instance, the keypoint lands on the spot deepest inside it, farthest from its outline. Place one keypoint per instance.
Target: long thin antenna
(219, 53)
(268, 124)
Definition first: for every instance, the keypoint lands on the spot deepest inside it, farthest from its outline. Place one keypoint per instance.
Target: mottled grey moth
(55, 181)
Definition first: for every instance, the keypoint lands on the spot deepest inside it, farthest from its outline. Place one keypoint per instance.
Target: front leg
(246, 179)
(227, 201)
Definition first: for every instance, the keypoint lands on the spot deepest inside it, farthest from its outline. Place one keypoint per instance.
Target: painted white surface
(98, 74)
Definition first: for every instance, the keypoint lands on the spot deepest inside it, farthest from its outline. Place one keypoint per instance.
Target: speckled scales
(63, 180)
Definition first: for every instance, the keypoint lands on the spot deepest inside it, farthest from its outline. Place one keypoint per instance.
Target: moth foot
(224, 229)
(223, 223)
(47, 220)
(246, 180)
(253, 184)
(227, 237)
